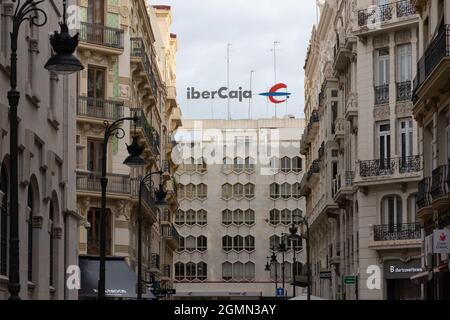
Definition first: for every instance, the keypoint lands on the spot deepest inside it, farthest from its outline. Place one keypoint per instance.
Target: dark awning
(120, 279)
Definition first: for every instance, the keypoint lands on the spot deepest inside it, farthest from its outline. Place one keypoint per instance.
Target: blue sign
(280, 292)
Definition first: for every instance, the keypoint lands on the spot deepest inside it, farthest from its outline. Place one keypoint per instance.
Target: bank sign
(274, 94)
(441, 241)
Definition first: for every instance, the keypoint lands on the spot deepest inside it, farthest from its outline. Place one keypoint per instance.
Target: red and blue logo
(274, 93)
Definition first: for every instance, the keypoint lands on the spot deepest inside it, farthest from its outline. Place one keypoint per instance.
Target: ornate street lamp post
(274, 261)
(29, 11)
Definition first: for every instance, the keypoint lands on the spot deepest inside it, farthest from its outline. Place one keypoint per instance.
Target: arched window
(190, 217)
(30, 205)
(249, 190)
(227, 217)
(238, 191)
(238, 243)
(285, 216)
(4, 223)
(51, 219)
(392, 210)
(249, 243)
(297, 164)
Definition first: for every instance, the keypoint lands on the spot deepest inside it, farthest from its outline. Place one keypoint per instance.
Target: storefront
(397, 275)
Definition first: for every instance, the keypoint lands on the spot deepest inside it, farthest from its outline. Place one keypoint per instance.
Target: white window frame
(382, 67)
(406, 134)
(404, 62)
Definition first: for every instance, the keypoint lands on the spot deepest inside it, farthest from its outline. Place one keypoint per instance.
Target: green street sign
(164, 292)
(349, 280)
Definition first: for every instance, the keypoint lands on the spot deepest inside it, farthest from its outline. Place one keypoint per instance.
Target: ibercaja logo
(274, 94)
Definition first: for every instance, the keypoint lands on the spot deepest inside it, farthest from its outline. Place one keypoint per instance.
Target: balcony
(312, 128)
(343, 186)
(376, 16)
(150, 135)
(314, 169)
(90, 182)
(99, 109)
(402, 235)
(139, 53)
(381, 94)
(102, 36)
(321, 152)
(155, 263)
(440, 187)
(424, 198)
(433, 68)
(404, 91)
(171, 235)
(391, 168)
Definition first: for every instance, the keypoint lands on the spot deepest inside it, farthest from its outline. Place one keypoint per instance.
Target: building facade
(129, 54)
(236, 201)
(48, 221)
(431, 110)
(362, 157)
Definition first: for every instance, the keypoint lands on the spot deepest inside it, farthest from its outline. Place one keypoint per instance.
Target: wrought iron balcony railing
(424, 193)
(99, 108)
(120, 184)
(382, 94)
(378, 167)
(378, 14)
(138, 50)
(101, 35)
(314, 168)
(437, 50)
(439, 185)
(395, 232)
(404, 91)
(410, 164)
(151, 134)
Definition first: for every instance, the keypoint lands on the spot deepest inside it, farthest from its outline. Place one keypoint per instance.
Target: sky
(205, 28)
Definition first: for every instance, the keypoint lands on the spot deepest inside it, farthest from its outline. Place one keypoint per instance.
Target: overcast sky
(204, 29)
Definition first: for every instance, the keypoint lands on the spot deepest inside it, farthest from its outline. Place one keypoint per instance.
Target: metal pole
(294, 260)
(139, 259)
(282, 274)
(308, 259)
(276, 276)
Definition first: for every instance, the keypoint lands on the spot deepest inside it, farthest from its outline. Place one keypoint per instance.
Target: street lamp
(135, 151)
(29, 11)
(300, 220)
(274, 261)
(160, 195)
(282, 248)
(267, 267)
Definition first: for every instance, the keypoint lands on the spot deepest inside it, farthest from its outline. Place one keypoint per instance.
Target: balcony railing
(404, 91)
(151, 134)
(438, 49)
(439, 185)
(341, 182)
(395, 232)
(99, 108)
(382, 94)
(424, 193)
(383, 13)
(315, 168)
(101, 35)
(120, 184)
(138, 50)
(388, 167)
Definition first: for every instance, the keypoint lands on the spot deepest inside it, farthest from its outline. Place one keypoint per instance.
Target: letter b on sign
(374, 280)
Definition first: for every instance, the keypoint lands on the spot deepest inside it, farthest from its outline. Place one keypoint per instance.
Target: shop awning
(120, 279)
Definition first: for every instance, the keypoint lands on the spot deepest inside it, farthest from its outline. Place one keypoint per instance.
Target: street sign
(164, 292)
(280, 292)
(349, 280)
(325, 275)
(441, 241)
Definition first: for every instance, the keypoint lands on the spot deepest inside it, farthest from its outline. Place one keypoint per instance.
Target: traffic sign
(280, 292)
(349, 280)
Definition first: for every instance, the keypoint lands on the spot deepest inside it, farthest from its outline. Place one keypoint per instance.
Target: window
(249, 190)
(384, 146)
(275, 164)
(190, 191)
(412, 208)
(286, 217)
(201, 165)
(404, 63)
(4, 222)
(296, 190)
(227, 164)
(227, 191)
(227, 271)
(382, 71)
(179, 218)
(95, 155)
(297, 215)
(181, 191)
(297, 164)
(285, 164)
(202, 271)
(202, 243)
(181, 246)
(238, 217)
(238, 190)
(286, 191)
(249, 165)
(96, 12)
(202, 191)
(202, 217)
(190, 271)
(274, 217)
(238, 243)
(179, 271)
(249, 243)
(249, 271)
(274, 242)
(238, 271)
(191, 244)
(238, 165)
(93, 239)
(227, 243)
(190, 217)
(96, 86)
(392, 210)
(249, 217)
(274, 191)
(406, 138)
(227, 217)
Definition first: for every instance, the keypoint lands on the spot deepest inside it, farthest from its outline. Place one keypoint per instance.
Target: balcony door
(382, 67)
(94, 155)
(93, 237)
(406, 138)
(95, 18)
(96, 91)
(384, 146)
(392, 211)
